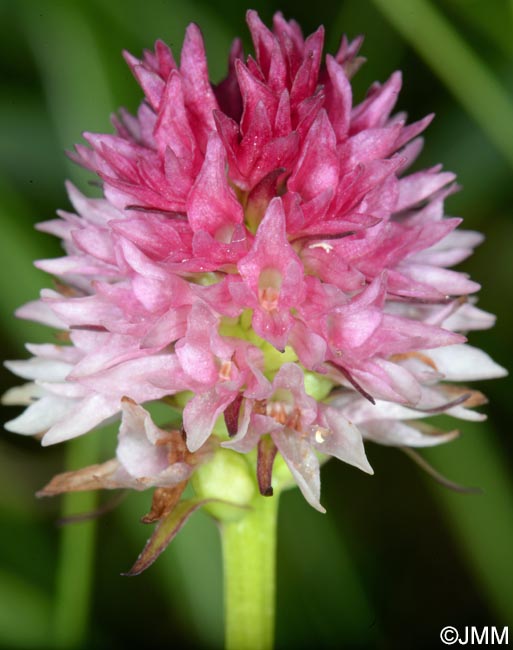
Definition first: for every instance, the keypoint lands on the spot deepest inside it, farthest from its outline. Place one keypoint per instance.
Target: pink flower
(261, 254)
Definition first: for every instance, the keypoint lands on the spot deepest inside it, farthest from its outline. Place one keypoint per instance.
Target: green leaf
(492, 19)
(76, 87)
(483, 524)
(462, 71)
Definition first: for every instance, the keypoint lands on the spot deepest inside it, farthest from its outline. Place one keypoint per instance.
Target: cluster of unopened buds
(263, 264)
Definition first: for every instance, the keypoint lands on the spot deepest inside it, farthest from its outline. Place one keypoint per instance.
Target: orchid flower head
(262, 263)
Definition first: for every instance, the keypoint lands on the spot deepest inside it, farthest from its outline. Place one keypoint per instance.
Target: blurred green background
(397, 557)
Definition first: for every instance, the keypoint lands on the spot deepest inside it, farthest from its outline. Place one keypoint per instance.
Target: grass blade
(459, 68)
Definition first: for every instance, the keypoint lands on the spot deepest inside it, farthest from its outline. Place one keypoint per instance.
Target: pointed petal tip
(366, 467)
(193, 38)
(500, 371)
(316, 505)
(47, 441)
(130, 59)
(11, 426)
(397, 77)
(192, 445)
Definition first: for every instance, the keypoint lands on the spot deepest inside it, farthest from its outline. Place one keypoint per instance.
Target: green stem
(249, 558)
(76, 556)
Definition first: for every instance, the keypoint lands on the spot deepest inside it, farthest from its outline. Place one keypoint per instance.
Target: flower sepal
(167, 529)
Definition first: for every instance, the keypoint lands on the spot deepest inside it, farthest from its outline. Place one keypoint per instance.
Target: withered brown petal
(164, 533)
(94, 477)
(265, 459)
(163, 502)
(231, 415)
(168, 528)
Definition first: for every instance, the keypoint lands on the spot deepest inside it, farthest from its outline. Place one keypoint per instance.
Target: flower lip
(269, 285)
(226, 370)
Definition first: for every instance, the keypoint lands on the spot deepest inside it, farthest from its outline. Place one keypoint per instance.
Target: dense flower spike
(262, 262)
